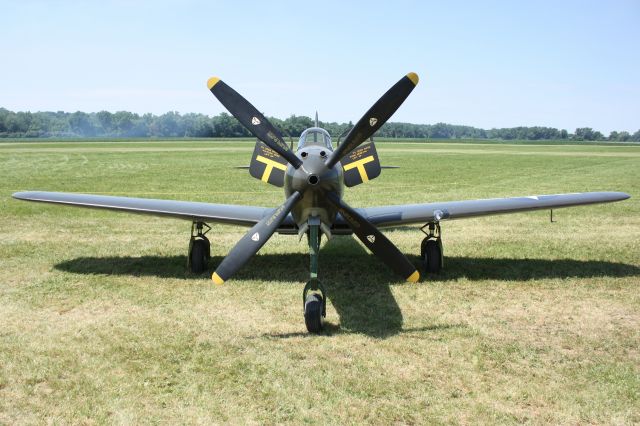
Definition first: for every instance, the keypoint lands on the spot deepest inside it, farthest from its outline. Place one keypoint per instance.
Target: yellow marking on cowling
(360, 165)
(413, 278)
(270, 165)
(212, 82)
(216, 279)
(414, 78)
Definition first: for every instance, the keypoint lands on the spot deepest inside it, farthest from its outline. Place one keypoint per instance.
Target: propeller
(377, 115)
(260, 127)
(252, 119)
(375, 240)
(253, 240)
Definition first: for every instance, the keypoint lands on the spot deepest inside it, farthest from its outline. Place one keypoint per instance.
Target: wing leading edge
(206, 212)
(382, 216)
(423, 213)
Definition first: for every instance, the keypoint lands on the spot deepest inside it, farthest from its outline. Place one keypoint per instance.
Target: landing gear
(199, 248)
(431, 248)
(314, 296)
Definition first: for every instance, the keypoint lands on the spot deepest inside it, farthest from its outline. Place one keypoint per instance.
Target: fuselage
(313, 178)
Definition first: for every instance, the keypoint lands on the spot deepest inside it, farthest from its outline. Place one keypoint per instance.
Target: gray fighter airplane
(314, 177)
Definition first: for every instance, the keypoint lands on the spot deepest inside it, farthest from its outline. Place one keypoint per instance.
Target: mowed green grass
(530, 321)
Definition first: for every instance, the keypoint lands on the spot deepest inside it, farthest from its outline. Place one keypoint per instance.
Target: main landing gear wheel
(313, 313)
(431, 249)
(432, 256)
(199, 248)
(198, 256)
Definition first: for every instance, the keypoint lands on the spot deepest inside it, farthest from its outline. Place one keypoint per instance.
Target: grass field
(531, 321)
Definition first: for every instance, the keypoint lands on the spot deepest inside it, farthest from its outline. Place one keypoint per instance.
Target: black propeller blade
(253, 240)
(375, 240)
(252, 119)
(377, 115)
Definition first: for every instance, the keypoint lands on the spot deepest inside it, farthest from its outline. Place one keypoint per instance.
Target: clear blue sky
(488, 64)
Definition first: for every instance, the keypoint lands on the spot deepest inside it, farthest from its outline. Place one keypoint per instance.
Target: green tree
(624, 136)
(105, 119)
(584, 134)
(80, 123)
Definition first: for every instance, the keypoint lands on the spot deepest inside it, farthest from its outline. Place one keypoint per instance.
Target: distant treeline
(172, 124)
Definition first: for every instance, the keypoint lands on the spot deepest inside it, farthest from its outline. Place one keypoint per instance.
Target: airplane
(314, 178)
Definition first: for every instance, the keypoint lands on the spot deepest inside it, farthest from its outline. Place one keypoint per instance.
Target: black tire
(432, 257)
(207, 245)
(313, 318)
(198, 256)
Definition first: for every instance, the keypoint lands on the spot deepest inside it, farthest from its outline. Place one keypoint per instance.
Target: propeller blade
(252, 119)
(253, 240)
(375, 240)
(377, 115)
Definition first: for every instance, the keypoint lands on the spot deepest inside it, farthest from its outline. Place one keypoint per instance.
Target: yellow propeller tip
(215, 277)
(413, 278)
(212, 82)
(414, 78)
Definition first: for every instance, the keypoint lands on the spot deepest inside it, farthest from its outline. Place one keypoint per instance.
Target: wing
(221, 213)
(423, 213)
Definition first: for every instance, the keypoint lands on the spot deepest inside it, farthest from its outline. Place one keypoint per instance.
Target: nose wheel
(315, 306)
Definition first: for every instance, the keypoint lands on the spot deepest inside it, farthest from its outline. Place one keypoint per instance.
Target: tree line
(172, 124)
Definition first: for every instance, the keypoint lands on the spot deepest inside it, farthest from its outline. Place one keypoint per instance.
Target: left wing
(189, 210)
(423, 213)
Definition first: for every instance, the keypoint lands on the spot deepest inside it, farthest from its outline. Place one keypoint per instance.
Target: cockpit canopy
(315, 136)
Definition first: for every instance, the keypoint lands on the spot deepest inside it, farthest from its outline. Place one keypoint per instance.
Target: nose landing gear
(314, 296)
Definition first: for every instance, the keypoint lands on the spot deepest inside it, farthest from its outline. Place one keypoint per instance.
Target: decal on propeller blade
(371, 238)
(255, 121)
(373, 121)
(275, 215)
(255, 237)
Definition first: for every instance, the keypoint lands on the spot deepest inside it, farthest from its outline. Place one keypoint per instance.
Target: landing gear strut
(431, 248)
(314, 296)
(199, 248)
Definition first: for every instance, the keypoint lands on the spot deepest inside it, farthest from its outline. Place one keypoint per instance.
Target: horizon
(391, 121)
(495, 65)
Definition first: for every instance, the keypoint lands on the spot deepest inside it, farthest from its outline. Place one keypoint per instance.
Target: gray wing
(220, 213)
(422, 213)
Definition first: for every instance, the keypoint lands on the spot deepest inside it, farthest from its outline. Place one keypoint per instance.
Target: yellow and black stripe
(361, 165)
(267, 165)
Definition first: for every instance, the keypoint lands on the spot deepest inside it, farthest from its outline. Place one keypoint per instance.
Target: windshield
(315, 136)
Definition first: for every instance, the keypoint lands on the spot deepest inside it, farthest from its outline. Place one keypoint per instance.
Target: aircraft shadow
(505, 269)
(357, 283)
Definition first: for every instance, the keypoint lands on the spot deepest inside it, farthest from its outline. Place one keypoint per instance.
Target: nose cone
(313, 174)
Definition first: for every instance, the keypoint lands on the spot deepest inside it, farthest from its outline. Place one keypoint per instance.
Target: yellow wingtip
(414, 78)
(212, 82)
(413, 278)
(216, 279)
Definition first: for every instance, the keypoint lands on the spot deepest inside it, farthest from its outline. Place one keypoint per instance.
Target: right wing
(407, 214)
(189, 210)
